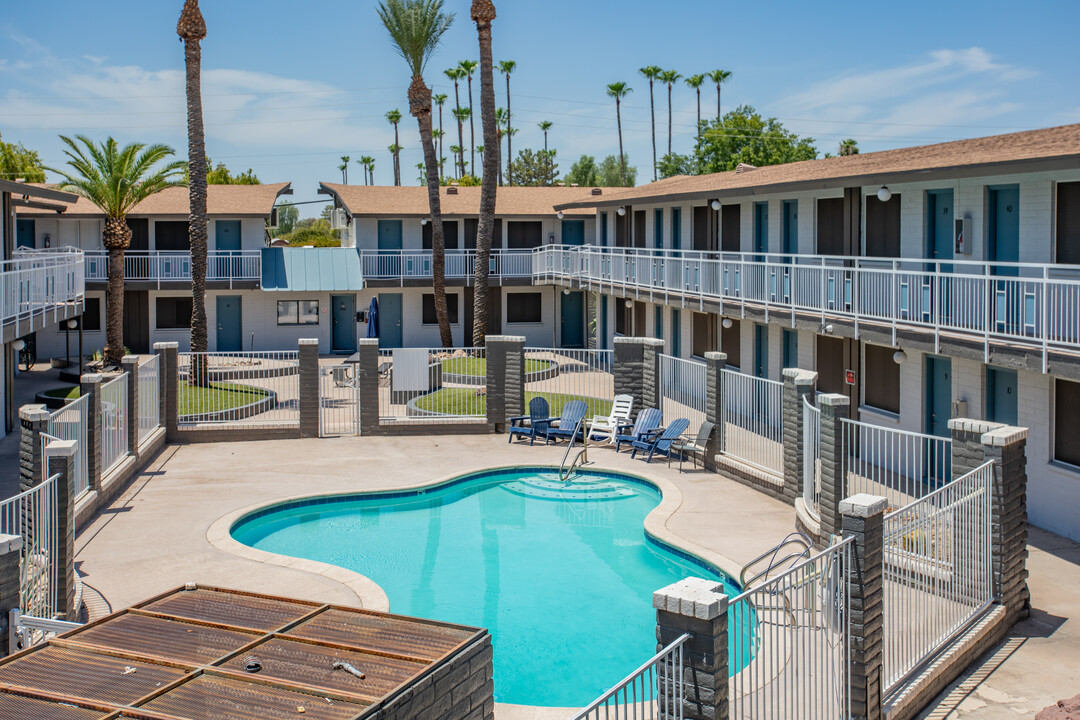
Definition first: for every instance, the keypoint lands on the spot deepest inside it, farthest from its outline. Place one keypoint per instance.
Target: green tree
(743, 136)
(676, 164)
(416, 28)
(696, 81)
(719, 77)
(586, 173)
(313, 231)
(394, 117)
(619, 90)
(614, 173)
(287, 217)
(507, 67)
(535, 168)
(670, 77)
(849, 147)
(651, 73)
(220, 175)
(116, 180)
(18, 162)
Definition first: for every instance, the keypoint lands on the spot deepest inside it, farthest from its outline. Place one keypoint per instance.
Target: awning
(311, 269)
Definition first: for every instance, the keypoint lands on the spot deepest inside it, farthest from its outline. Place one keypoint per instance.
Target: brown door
(731, 228)
(835, 357)
(137, 321)
(639, 228)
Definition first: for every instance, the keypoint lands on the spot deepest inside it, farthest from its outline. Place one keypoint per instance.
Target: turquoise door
(389, 234)
(24, 233)
(1012, 307)
(572, 318)
(390, 320)
(939, 225)
(226, 240)
(791, 227)
(602, 342)
(573, 232)
(343, 334)
(229, 324)
(676, 332)
(1001, 395)
(676, 228)
(658, 229)
(938, 411)
(227, 235)
(761, 350)
(761, 227)
(791, 348)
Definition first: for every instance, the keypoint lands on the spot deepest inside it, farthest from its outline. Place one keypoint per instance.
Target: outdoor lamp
(18, 345)
(423, 221)
(629, 304)
(621, 211)
(72, 324)
(727, 323)
(884, 194)
(566, 291)
(715, 205)
(559, 214)
(899, 357)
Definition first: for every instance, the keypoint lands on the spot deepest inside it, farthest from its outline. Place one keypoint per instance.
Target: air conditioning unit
(341, 219)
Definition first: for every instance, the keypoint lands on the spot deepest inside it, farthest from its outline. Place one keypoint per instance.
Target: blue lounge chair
(660, 442)
(539, 422)
(648, 420)
(573, 413)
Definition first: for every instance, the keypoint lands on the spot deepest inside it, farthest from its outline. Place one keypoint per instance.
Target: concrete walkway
(27, 384)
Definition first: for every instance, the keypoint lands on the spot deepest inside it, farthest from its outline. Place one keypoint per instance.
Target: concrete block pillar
(367, 375)
(130, 364)
(715, 362)
(834, 408)
(505, 379)
(308, 352)
(91, 387)
(61, 458)
(651, 391)
(698, 607)
(33, 421)
(167, 374)
(627, 360)
(798, 384)
(10, 564)
(863, 519)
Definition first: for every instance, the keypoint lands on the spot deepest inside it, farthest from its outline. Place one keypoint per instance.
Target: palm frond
(416, 27)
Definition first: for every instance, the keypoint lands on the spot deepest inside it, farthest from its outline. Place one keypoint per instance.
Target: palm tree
(368, 163)
(669, 77)
(423, 173)
(545, 125)
(116, 180)
(439, 100)
(394, 116)
(192, 29)
(469, 67)
(456, 150)
(483, 13)
(344, 168)
(619, 90)
(501, 119)
(849, 147)
(696, 81)
(455, 74)
(718, 77)
(651, 73)
(506, 67)
(462, 115)
(416, 28)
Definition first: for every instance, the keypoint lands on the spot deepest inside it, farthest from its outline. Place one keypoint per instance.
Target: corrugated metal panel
(217, 698)
(14, 706)
(170, 639)
(382, 633)
(254, 612)
(311, 269)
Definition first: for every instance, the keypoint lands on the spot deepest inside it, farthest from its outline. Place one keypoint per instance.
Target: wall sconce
(826, 329)
(72, 324)
(566, 291)
(884, 194)
(559, 214)
(715, 205)
(18, 345)
(727, 323)
(629, 303)
(423, 221)
(621, 211)
(899, 357)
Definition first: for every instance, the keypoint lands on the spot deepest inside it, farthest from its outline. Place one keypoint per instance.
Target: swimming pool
(561, 574)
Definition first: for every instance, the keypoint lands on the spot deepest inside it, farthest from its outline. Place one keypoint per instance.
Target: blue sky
(288, 91)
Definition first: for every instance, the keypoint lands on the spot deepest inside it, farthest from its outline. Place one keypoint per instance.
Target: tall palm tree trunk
(622, 156)
(483, 12)
(509, 140)
(420, 107)
(397, 157)
(116, 237)
(197, 222)
(652, 112)
(472, 132)
(669, 119)
(460, 132)
(717, 101)
(698, 112)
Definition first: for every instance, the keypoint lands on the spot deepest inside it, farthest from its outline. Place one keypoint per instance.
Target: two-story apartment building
(390, 229)
(925, 283)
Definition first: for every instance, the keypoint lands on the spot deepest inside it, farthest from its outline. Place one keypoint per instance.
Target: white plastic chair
(604, 426)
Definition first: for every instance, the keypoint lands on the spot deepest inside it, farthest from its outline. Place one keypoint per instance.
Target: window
(173, 313)
(171, 235)
(676, 332)
(791, 348)
(1066, 420)
(830, 226)
(731, 343)
(428, 312)
(450, 235)
(881, 378)
(658, 229)
(298, 312)
(1068, 223)
(731, 228)
(524, 307)
(704, 333)
(603, 229)
(676, 228)
(524, 235)
(91, 317)
(140, 233)
(883, 226)
(658, 315)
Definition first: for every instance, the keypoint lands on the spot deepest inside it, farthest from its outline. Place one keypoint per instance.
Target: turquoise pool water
(562, 575)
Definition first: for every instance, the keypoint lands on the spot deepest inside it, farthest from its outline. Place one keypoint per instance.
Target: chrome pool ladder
(581, 458)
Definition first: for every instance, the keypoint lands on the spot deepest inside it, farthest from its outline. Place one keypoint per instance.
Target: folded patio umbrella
(373, 318)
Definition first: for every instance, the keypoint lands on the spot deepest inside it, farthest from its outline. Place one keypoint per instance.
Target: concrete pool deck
(154, 536)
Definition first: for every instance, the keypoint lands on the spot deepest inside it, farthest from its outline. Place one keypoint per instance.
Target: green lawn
(477, 366)
(68, 393)
(196, 400)
(466, 401)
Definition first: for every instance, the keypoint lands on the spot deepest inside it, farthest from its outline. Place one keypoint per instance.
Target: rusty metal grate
(383, 633)
(176, 640)
(17, 707)
(256, 613)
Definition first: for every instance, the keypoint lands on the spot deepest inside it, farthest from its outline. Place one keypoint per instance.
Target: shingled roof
(389, 201)
(1050, 148)
(221, 200)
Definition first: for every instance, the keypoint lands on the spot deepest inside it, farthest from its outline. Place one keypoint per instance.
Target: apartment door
(229, 324)
(24, 233)
(389, 234)
(676, 332)
(938, 395)
(137, 321)
(761, 227)
(835, 358)
(390, 320)
(1004, 227)
(761, 350)
(226, 240)
(572, 320)
(939, 246)
(573, 232)
(1001, 395)
(791, 227)
(343, 335)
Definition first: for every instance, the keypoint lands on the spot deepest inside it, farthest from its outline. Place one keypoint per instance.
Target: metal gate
(339, 401)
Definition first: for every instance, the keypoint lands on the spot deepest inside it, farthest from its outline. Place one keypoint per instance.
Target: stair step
(554, 489)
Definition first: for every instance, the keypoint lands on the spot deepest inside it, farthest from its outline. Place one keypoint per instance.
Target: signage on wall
(849, 377)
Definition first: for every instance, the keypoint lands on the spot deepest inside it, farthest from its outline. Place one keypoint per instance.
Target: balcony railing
(403, 265)
(175, 266)
(1020, 304)
(37, 284)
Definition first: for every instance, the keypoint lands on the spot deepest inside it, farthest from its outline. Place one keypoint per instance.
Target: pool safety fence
(652, 692)
(683, 391)
(114, 422)
(753, 420)
(811, 471)
(32, 516)
(149, 396)
(432, 385)
(898, 465)
(72, 422)
(339, 400)
(238, 389)
(562, 375)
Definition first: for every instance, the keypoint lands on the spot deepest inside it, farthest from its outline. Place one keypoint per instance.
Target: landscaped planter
(52, 402)
(240, 412)
(456, 379)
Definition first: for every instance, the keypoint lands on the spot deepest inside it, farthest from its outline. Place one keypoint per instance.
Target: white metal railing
(938, 573)
(561, 375)
(32, 515)
(37, 284)
(1021, 303)
(789, 642)
(460, 264)
(652, 692)
(149, 397)
(70, 423)
(811, 472)
(248, 389)
(898, 465)
(114, 428)
(175, 266)
(683, 390)
(339, 400)
(26, 630)
(753, 420)
(432, 385)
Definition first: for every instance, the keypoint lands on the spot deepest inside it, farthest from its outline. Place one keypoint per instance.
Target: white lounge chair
(604, 426)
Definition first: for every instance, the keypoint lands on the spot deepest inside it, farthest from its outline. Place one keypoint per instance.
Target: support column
(130, 363)
(505, 356)
(167, 375)
(10, 566)
(367, 375)
(308, 353)
(33, 421)
(651, 393)
(834, 408)
(91, 387)
(798, 384)
(627, 358)
(61, 458)
(863, 520)
(698, 607)
(715, 362)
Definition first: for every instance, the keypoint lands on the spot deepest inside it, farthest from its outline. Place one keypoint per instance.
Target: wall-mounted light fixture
(18, 345)
(899, 357)
(621, 211)
(72, 324)
(884, 194)
(559, 214)
(727, 323)
(629, 303)
(715, 205)
(423, 221)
